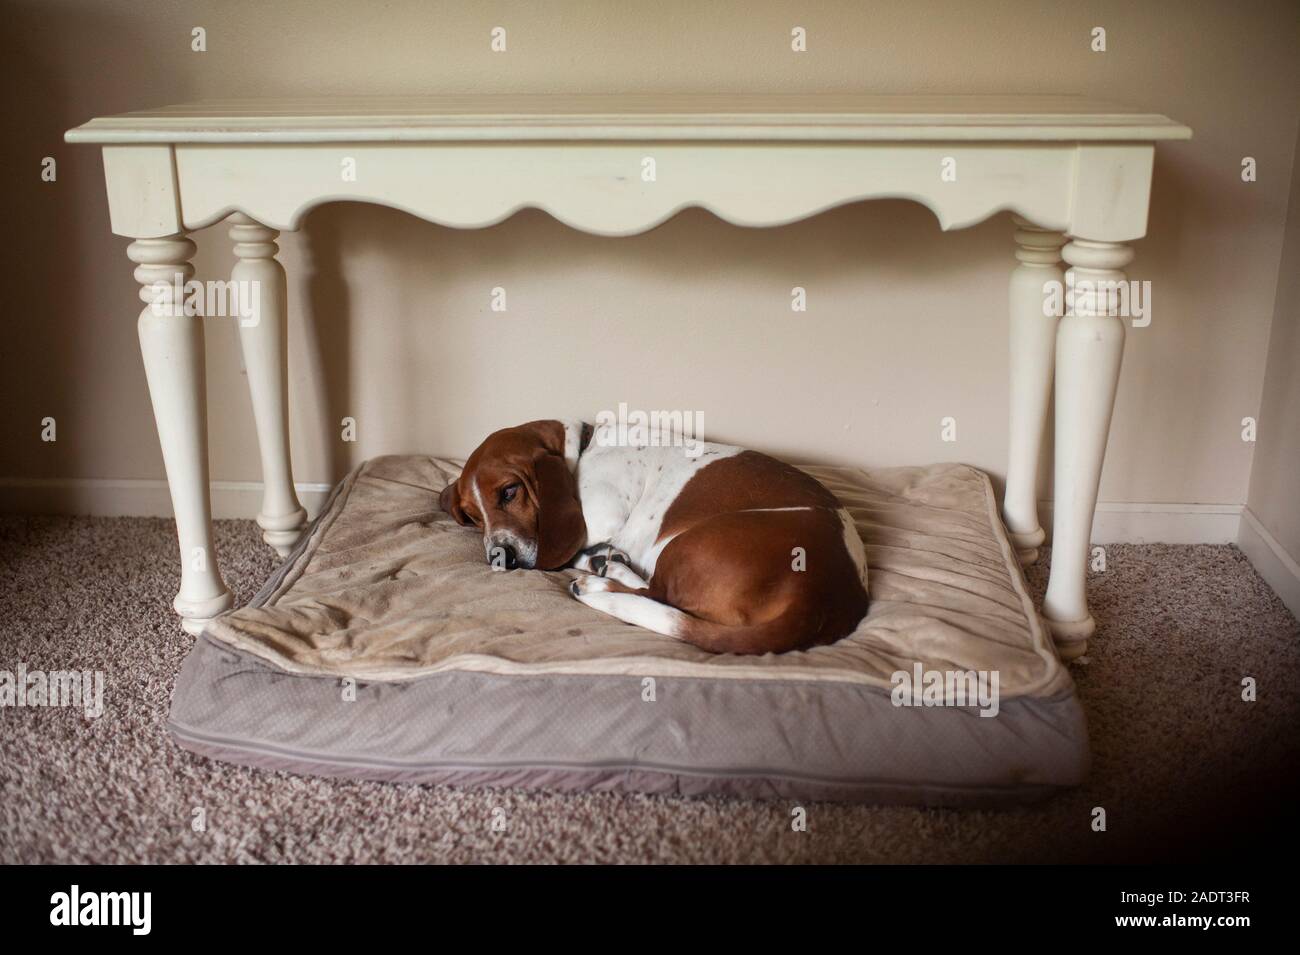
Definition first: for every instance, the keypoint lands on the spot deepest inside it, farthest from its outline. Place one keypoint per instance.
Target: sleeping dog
(727, 549)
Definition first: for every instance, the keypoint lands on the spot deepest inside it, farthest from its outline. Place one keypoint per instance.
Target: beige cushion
(471, 677)
(387, 587)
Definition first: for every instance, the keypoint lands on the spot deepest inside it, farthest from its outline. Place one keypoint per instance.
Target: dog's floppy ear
(549, 433)
(449, 501)
(561, 529)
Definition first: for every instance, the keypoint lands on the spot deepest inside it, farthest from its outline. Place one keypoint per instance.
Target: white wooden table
(1076, 174)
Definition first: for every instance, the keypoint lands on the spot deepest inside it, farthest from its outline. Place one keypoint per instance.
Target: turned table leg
(263, 334)
(1033, 346)
(172, 345)
(1089, 347)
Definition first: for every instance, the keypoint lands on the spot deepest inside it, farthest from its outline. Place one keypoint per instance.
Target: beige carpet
(1183, 767)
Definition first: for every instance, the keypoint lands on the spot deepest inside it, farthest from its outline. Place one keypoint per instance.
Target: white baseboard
(1278, 568)
(1118, 522)
(1115, 523)
(106, 497)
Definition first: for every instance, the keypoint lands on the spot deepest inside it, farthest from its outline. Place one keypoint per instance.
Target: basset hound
(727, 549)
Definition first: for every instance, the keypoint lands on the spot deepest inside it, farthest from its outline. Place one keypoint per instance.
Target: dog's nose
(509, 556)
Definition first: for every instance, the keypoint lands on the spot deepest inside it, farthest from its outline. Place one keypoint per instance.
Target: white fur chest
(626, 489)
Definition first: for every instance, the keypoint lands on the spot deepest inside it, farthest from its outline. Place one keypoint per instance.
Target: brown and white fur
(703, 548)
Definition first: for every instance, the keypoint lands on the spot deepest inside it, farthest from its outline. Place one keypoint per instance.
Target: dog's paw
(598, 559)
(583, 561)
(588, 584)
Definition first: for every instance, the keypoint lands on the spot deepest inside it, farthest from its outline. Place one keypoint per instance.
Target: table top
(639, 117)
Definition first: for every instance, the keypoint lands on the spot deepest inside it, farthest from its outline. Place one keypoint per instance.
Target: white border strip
(125, 497)
(1115, 523)
(1118, 522)
(1278, 568)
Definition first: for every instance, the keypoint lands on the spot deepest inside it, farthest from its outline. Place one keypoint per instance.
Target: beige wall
(1275, 478)
(389, 316)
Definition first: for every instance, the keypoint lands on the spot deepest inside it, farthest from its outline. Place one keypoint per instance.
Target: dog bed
(385, 647)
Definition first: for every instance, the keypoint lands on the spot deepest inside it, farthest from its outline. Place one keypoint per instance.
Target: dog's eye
(508, 493)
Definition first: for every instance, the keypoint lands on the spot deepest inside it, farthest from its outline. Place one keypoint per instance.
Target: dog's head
(519, 490)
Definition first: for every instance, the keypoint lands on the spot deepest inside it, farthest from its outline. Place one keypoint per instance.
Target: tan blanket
(388, 588)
